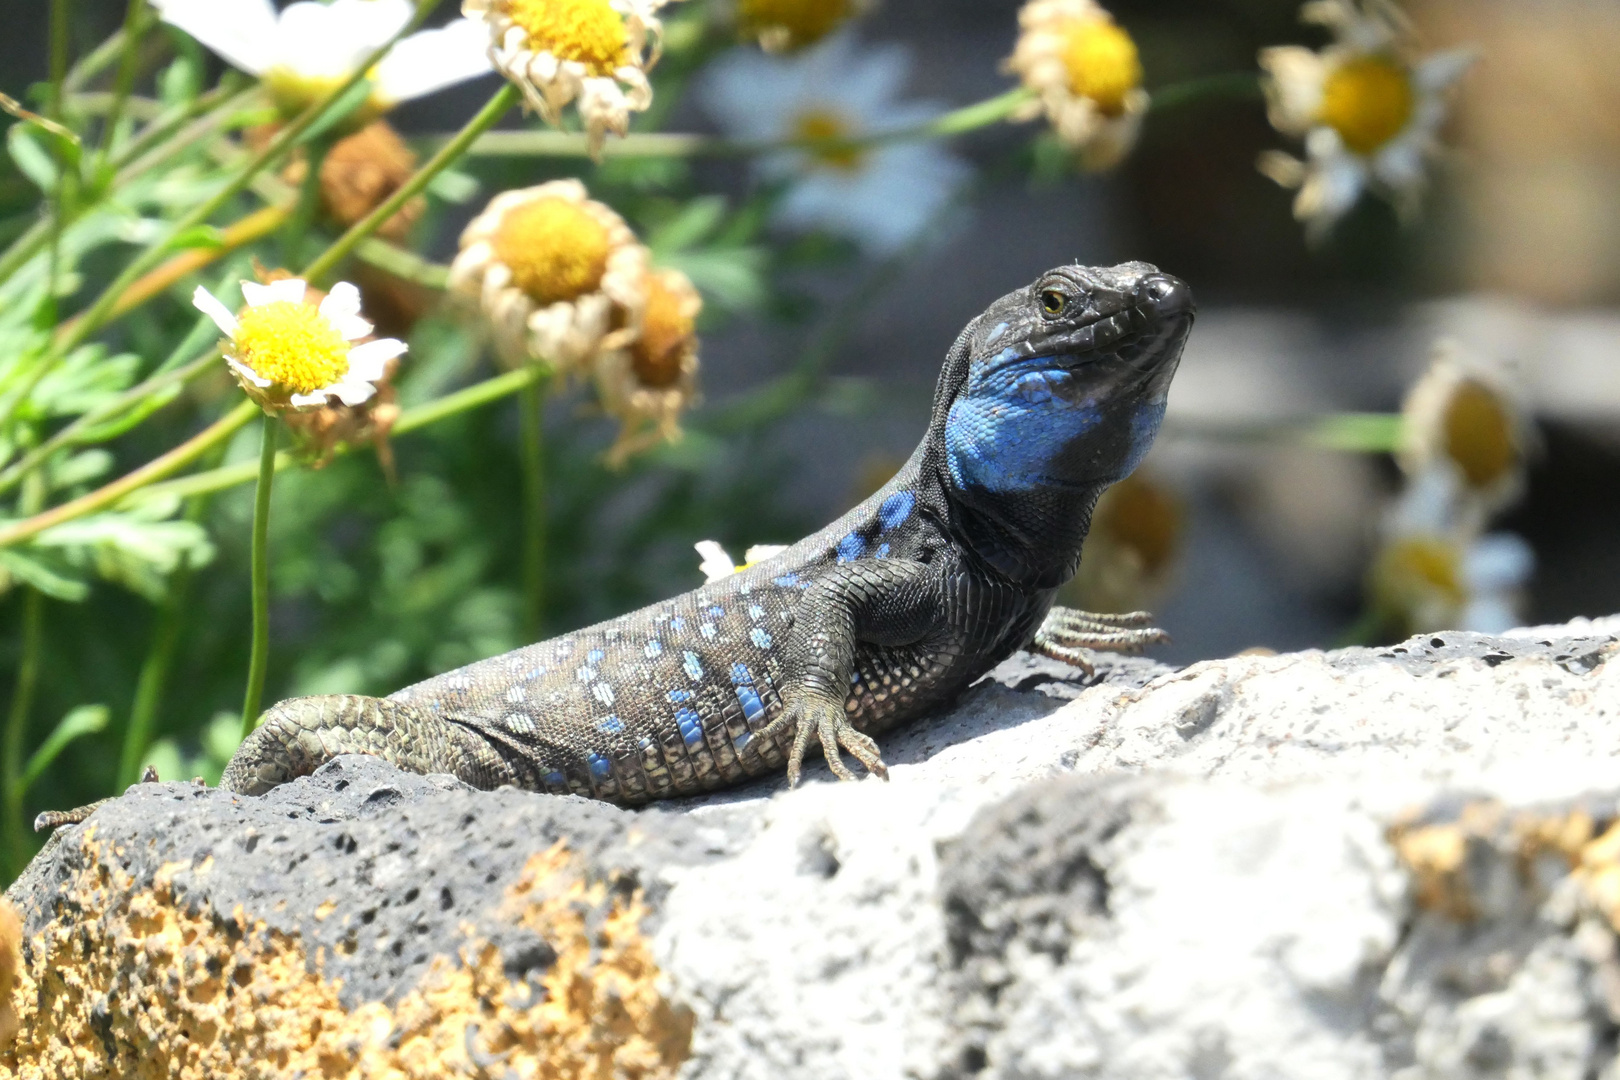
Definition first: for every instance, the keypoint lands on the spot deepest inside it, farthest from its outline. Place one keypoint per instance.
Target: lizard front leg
(883, 602)
(1067, 631)
(295, 737)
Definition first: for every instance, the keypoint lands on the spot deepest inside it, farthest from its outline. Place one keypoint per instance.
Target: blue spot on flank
(678, 624)
(653, 649)
(612, 725)
(851, 548)
(743, 740)
(694, 667)
(755, 611)
(594, 655)
(883, 551)
(556, 778)
(716, 611)
(741, 676)
(600, 766)
(896, 508)
(760, 637)
(752, 707)
(691, 725)
(787, 581)
(678, 696)
(854, 678)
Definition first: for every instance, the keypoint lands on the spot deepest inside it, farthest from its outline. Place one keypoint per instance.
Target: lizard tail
(297, 736)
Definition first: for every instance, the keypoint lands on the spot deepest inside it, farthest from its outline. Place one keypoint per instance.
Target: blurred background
(1263, 541)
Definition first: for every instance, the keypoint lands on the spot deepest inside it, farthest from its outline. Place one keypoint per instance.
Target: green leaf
(181, 81)
(453, 187)
(86, 380)
(32, 159)
(66, 472)
(697, 220)
(198, 236)
(130, 548)
(34, 571)
(733, 277)
(79, 722)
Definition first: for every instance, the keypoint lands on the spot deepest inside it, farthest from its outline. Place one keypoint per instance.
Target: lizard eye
(1053, 301)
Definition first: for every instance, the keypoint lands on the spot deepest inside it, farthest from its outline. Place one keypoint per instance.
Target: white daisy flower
(309, 48)
(557, 51)
(287, 353)
(1462, 417)
(881, 196)
(1088, 75)
(1433, 572)
(1369, 113)
(717, 563)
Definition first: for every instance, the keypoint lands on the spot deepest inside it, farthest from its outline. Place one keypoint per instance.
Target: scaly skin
(887, 614)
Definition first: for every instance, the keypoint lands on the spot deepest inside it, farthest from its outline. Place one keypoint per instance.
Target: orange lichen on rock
(140, 984)
(10, 962)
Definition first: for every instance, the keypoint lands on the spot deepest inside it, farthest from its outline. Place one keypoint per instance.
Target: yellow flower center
(1368, 101)
(555, 248)
(1102, 63)
(834, 150)
(588, 31)
(292, 345)
(666, 332)
(1479, 434)
(1421, 578)
(802, 21)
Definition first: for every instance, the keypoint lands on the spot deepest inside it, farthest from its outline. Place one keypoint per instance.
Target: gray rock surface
(1366, 863)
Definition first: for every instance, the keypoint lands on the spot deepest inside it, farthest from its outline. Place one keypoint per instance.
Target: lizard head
(1054, 393)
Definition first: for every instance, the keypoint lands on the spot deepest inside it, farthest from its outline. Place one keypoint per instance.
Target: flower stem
(11, 752)
(497, 107)
(531, 404)
(134, 29)
(154, 673)
(259, 658)
(309, 199)
(1232, 84)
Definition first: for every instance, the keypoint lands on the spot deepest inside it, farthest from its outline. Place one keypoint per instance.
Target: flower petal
(352, 393)
(434, 59)
(716, 563)
(291, 290)
(1442, 69)
(241, 31)
(341, 303)
(247, 373)
(369, 361)
(314, 397)
(207, 303)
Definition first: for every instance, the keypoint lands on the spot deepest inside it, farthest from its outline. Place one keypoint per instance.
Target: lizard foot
(827, 721)
(1068, 631)
(55, 819)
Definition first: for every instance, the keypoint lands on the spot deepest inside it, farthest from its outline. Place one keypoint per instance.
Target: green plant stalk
(498, 106)
(424, 415)
(96, 315)
(1235, 84)
(60, 14)
(259, 657)
(158, 468)
(531, 406)
(22, 703)
(134, 30)
(407, 265)
(309, 200)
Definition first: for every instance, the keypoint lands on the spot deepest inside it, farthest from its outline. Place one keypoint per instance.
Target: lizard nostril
(1166, 295)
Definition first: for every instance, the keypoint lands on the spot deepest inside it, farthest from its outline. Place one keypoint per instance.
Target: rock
(1397, 863)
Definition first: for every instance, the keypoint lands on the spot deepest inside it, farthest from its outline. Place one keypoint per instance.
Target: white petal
(316, 397)
(369, 361)
(716, 563)
(434, 59)
(760, 552)
(1497, 562)
(1442, 69)
(207, 303)
(352, 328)
(291, 290)
(241, 31)
(341, 303)
(352, 393)
(314, 43)
(246, 372)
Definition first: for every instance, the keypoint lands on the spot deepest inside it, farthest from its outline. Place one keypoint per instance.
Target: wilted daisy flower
(1088, 76)
(785, 25)
(548, 264)
(557, 51)
(360, 173)
(1131, 548)
(717, 564)
(1369, 111)
(289, 354)
(1432, 574)
(880, 196)
(1463, 419)
(306, 51)
(650, 379)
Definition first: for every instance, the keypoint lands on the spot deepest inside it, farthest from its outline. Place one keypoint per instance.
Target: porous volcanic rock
(1397, 862)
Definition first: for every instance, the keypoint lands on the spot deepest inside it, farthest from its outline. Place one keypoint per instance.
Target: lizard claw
(1068, 631)
(55, 819)
(829, 723)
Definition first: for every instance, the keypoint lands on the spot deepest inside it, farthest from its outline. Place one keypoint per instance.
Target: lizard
(1049, 396)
